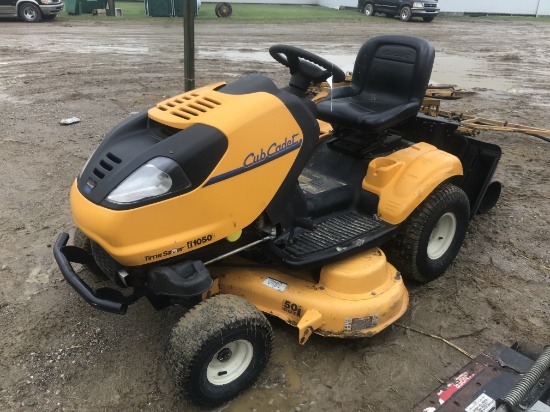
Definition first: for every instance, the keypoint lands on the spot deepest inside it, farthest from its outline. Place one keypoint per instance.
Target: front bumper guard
(107, 299)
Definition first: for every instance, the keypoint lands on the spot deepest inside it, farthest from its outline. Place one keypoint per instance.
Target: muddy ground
(57, 353)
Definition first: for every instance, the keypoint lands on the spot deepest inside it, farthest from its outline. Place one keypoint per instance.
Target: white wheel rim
(29, 13)
(442, 236)
(229, 362)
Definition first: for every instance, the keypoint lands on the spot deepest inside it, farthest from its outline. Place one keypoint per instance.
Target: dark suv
(31, 10)
(406, 9)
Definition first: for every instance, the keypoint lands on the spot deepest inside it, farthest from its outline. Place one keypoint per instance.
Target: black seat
(390, 78)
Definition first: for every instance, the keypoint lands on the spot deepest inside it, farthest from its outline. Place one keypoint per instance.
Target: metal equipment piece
(502, 378)
(473, 125)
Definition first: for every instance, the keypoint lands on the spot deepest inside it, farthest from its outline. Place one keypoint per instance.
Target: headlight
(418, 5)
(157, 177)
(48, 1)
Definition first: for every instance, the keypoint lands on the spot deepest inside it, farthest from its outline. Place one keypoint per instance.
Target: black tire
(368, 10)
(224, 10)
(415, 251)
(83, 242)
(30, 12)
(405, 14)
(205, 340)
(428, 19)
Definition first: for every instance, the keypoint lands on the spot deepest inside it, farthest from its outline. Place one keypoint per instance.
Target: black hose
(526, 383)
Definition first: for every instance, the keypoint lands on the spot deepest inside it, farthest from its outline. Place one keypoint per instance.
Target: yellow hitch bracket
(311, 321)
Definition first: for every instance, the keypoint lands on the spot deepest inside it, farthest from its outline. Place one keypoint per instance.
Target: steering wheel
(304, 66)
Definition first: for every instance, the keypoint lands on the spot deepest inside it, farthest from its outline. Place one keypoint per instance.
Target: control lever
(302, 222)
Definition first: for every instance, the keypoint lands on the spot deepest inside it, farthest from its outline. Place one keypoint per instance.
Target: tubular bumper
(107, 299)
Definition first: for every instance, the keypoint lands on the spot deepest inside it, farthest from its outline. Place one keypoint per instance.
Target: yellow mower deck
(356, 297)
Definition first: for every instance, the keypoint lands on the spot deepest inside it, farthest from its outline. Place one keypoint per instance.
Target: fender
(405, 178)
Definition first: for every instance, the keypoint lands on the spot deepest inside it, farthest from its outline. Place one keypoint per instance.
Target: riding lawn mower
(240, 199)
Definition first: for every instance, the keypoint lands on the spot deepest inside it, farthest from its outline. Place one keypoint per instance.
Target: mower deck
(354, 297)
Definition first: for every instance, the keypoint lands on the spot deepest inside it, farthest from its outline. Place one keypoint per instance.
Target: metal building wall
(294, 2)
(544, 8)
(336, 4)
(489, 6)
(528, 7)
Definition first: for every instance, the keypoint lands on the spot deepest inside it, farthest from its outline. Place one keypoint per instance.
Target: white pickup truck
(31, 10)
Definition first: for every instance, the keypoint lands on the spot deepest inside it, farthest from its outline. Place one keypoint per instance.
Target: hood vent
(186, 108)
(106, 165)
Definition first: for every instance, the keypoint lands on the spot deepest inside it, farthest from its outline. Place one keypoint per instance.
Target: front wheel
(82, 241)
(432, 236)
(405, 14)
(218, 349)
(30, 12)
(368, 10)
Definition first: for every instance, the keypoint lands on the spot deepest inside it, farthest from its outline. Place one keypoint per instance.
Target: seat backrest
(394, 68)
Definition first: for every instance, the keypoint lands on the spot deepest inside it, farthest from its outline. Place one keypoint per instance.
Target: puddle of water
(112, 49)
(463, 72)
(84, 46)
(279, 397)
(285, 357)
(234, 55)
(468, 74)
(269, 399)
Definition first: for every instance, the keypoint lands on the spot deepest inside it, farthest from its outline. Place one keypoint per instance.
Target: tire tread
(202, 322)
(403, 249)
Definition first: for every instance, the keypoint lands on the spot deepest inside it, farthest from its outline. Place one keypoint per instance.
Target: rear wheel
(218, 349)
(405, 14)
(428, 19)
(432, 236)
(368, 10)
(30, 12)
